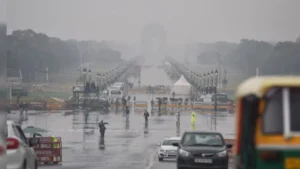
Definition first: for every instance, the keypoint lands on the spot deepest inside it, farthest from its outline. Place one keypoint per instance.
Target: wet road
(154, 76)
(127, 145)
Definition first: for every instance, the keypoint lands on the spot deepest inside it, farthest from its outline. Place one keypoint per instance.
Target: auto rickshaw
(268, 123)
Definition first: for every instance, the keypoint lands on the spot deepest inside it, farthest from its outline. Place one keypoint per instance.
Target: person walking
(146, 116)
(193, 118)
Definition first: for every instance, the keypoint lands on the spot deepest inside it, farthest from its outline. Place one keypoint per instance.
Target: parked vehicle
(115, 94)
(20, 153)
(167, 150)
(202, 150)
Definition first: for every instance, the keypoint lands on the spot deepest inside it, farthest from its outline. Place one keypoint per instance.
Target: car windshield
(202, 139)
(115, 92)
(169, 142)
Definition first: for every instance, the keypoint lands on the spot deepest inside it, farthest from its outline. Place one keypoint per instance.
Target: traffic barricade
(47, 149)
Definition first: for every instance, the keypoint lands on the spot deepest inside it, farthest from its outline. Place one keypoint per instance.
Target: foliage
(246, 56)
(32, 52)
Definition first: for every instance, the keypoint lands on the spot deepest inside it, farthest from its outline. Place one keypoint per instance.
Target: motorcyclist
(146, 115)
(102, 128)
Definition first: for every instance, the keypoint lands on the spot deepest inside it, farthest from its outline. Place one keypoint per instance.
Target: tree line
(247, 55)
(32, 52)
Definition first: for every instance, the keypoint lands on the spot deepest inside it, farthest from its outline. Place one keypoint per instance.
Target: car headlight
(222, 153)
(184, 153)
(162, 150)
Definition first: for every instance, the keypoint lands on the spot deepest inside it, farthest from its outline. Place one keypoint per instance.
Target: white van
(118, 85)
(115, 93)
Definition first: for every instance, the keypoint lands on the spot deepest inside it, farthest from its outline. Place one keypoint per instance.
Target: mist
(184, 21)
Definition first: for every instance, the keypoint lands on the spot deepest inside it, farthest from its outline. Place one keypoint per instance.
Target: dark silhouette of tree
(31, 51)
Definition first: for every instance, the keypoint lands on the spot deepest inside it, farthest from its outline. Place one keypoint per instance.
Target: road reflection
(101, 143)
(127, 124)
(146, 129)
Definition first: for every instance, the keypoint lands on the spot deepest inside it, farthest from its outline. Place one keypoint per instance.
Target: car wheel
(160, 159)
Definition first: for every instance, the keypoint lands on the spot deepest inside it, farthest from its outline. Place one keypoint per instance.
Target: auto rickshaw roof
(258, 85)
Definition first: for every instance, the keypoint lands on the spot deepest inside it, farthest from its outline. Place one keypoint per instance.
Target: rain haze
(110, 79)
(184, 21)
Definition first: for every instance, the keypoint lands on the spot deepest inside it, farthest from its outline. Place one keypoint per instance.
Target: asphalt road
(128, 144)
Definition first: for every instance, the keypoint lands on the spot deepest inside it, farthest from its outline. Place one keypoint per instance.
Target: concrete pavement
(126, 143)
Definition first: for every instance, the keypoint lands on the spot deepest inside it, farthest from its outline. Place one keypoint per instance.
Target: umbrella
(32, 129)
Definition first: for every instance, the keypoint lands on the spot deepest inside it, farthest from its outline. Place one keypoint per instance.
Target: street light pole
(216, 92)
(84, 87)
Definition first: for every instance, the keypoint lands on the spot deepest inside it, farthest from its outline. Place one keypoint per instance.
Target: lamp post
(200, 83)
(204, 83)
(84, 76)
(215, 91)
(84, 87)
(98, 85)
(90, 76)
(216, 102)
(208, 82)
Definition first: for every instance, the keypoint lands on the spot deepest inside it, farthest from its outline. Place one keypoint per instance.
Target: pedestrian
(146, 115)
(107, 105)
(159, 104)
(128, 98)
(127, 112)
(193, 118)
(102, 128)
(26, 108)
(21, 107)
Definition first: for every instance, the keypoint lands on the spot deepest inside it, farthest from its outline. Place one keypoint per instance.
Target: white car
(20, 155)
(167, 150)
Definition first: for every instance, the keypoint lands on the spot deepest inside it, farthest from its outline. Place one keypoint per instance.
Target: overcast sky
(3, 5)
(185, 21)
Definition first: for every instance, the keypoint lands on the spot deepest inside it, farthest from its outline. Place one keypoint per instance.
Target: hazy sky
(185, 20)
(3, 5)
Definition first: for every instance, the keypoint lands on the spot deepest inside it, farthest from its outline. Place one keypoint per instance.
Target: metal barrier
(138, 106)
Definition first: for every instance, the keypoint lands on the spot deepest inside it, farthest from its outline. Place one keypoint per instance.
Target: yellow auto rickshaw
(268, 123)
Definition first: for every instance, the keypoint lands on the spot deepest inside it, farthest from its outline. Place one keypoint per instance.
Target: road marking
(151, 161)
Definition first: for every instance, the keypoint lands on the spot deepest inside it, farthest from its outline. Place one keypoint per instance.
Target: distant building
(153, 42)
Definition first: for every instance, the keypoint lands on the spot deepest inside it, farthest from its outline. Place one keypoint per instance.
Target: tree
(31, 52)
